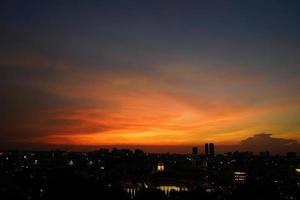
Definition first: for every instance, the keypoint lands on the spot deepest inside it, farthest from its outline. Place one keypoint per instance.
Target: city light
(160, 167)
(168, 188)
(71, 163)
(240, 177)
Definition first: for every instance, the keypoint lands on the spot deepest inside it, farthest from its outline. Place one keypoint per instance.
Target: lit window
(160, 167)
(240, 177)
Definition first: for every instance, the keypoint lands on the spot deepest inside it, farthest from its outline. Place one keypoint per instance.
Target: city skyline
(163, 75)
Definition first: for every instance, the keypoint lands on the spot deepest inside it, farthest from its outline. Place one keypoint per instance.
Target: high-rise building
(195, 151)
(211, 149)
(206, 150)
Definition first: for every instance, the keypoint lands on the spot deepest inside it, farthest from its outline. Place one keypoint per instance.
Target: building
(211, 149)
(206, 150)
(239, 177)
(264, 154)
(129, 187)
(171, 185)
(167, 188)
(160, 167)
(195, 151)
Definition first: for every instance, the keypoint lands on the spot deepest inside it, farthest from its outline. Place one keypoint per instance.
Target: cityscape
(150, 99)
(135, 174)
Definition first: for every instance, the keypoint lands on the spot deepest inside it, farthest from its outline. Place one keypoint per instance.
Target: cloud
(96, 81)
(265, 142)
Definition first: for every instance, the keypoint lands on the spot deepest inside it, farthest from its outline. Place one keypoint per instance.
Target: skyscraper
(194, 150)
(206, 150)
(211, 149)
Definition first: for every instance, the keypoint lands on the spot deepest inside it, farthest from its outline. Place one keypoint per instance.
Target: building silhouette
(209, 149)
(195, 151)
(206, 149)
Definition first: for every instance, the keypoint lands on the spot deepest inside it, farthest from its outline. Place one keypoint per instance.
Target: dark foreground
(123, 174)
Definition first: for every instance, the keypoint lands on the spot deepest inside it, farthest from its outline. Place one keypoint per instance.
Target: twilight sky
(149, 73)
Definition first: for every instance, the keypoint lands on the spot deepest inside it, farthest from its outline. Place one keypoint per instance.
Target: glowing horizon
(151, 114)
(148, 73)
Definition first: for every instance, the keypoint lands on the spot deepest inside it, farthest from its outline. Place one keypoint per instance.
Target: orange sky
(148, 73)
(131, 109)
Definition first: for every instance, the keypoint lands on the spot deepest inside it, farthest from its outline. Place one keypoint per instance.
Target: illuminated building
(168, 188)
(160, 167)
(240, 177)
(171, 185)
(297, 170)
(208, 186)
(129, 187)
(130, 191)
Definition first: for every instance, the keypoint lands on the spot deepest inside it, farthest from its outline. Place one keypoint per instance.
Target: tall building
(195, 151)
(211, 149)
(206, 150)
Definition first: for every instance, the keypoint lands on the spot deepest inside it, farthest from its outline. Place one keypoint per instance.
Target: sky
(150, 73)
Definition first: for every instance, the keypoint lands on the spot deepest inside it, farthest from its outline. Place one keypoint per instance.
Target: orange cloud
(109, 108)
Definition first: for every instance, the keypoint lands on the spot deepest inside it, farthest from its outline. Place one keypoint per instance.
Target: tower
(206, 150)
(194, 150)
(211, 149)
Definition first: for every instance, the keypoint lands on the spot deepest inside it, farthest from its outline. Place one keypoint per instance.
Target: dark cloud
(265, 142)
(32, 111)
(23, 108)
(98, 50)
